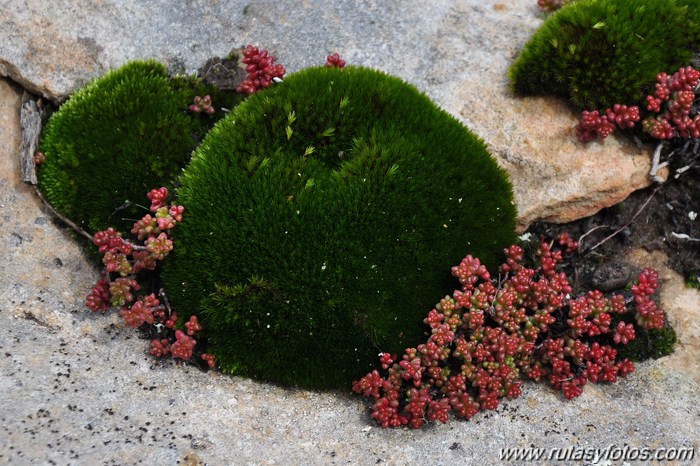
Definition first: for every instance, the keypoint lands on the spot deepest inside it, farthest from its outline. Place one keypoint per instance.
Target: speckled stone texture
(79, 388)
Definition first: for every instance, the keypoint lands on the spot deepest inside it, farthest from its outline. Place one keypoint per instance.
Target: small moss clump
(322, 217)
(118, 137)
(601, 52)
(653, 343)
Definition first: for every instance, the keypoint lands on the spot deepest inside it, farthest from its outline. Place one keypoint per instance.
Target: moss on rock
(118, 137)
(601, 52)
(322, 218)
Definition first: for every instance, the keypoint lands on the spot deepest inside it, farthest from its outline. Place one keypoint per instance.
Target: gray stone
(458, 52)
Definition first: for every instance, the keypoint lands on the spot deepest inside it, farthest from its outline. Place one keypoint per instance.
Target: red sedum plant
(202, 105)
(672, 101)
(261, 69)
(128, 260)
(335, 60)
(491, 333)
(670, 110)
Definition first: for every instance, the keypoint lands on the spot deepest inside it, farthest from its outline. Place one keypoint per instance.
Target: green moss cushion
(321, 221)
(118, 137)
(601, 52)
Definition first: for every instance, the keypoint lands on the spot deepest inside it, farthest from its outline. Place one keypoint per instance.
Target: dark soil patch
(663, 217)
(224, 73)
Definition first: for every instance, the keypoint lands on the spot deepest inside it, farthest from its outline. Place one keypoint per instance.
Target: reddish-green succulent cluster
(130, 261)
(335, 61)
(672, 101)
(670, 108)
(261, 69)
(202, 105)
(493, 332)
(594, 124)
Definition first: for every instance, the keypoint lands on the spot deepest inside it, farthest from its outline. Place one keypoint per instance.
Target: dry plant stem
(680, 171)
(646, 203)
(655, 165)
(65, 220)
(686, 150)
(683, 236)
(580, 240)
(162, 294)
(80, 231)
(30, 118)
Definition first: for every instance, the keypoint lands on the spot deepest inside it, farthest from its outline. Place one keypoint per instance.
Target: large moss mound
(321, 221)
(601, 52)
(118, 137)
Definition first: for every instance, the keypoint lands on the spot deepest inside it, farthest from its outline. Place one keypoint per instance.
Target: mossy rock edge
(322, 218)
(117, 138)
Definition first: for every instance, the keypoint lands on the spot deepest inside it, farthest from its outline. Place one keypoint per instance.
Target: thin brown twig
(65, 220)
(580, 239)
(74, 226)
(628, 222)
